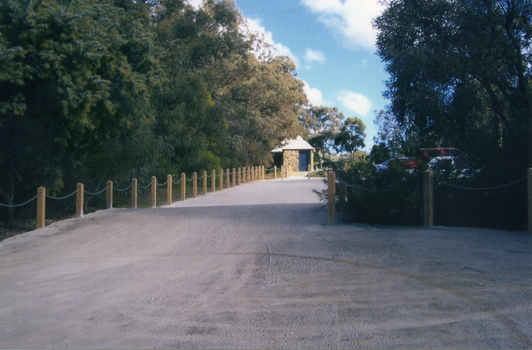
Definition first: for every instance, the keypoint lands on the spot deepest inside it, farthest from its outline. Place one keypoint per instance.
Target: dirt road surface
(257, 266)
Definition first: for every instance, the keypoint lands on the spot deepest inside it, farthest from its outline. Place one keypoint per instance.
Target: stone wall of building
(291, 159)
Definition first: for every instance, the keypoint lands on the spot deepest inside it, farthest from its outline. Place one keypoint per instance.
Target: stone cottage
(296, 153)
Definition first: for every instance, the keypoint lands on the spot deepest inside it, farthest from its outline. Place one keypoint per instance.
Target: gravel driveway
(257, 266)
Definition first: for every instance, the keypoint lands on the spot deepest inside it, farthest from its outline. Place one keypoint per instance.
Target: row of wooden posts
(239, 176)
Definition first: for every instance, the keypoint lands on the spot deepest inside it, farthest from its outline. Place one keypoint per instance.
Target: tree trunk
(9, 195)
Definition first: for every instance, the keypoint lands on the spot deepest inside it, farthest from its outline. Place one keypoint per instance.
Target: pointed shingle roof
(291, 144)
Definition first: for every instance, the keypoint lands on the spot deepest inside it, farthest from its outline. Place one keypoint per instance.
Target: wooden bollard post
(195, 185)
(309, 171)
(41, 207)
(221, 179)
(282, 168)
(428, 199)
(183, 186)
(275, 172)
(331, 178)
(529, 184)
(79, 200)
(213, 181)
(204, 182)
(227, 185)
(234, 178)
(341, 196)
(239, 178)
(153, 192)
(263, 172)
(134, 194)
(109, 194)
(169, 190)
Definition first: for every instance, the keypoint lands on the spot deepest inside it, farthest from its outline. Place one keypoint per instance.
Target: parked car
(403, 163)
(456, 166)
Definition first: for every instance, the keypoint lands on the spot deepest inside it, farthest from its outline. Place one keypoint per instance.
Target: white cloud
(354, 102)
(254, 26)
(315, 97)
(313, 56)
(352, 19)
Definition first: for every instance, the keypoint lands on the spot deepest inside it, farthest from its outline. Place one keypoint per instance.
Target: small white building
(296, 153)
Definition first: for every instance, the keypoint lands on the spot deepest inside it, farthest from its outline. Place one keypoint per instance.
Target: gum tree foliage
(75, 83)
(260, 100)
(351, 136)
(394, 139)
(461, 75)
(221, 105)
(322, 124)
(192, 43)
(327, 130)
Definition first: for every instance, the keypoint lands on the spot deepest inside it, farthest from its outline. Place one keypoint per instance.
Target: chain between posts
(97, 193)
(125, 189)
(21, 204)
(480, 189)
(158, 184)
(360, 188)
(145, 187)
(61, 198)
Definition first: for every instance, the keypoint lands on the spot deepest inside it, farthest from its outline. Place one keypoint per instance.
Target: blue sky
(332, 43)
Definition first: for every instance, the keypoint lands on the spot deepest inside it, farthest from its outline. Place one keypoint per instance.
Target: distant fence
(428, 195)
(225, 180)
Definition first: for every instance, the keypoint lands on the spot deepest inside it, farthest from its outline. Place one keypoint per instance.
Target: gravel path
(257, 266)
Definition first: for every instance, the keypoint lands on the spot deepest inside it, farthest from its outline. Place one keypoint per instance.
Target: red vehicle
(404, 163)
(439, 152)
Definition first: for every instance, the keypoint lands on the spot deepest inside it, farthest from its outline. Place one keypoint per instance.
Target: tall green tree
(322, 124)
(75, 82)
(351, 136)
(261, 101)
(461, 71)
(193, 43)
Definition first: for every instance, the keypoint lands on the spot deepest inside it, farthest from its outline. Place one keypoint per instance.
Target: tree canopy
(461, 74)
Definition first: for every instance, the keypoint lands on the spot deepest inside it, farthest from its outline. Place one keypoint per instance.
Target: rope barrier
(148, 185)
(209, 175)
(19, 205)
(192, 178)
(125, 189)
(94, 194)
(175, 183)
(480, 189)
(363, 189)
(201, 178)
(158, 184)
(65, 197)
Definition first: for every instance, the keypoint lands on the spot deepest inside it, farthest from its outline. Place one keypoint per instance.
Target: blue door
(303, 160)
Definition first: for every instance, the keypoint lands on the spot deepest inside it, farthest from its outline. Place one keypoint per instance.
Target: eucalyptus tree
(193, 42)
(75, 90)
(461, 71)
